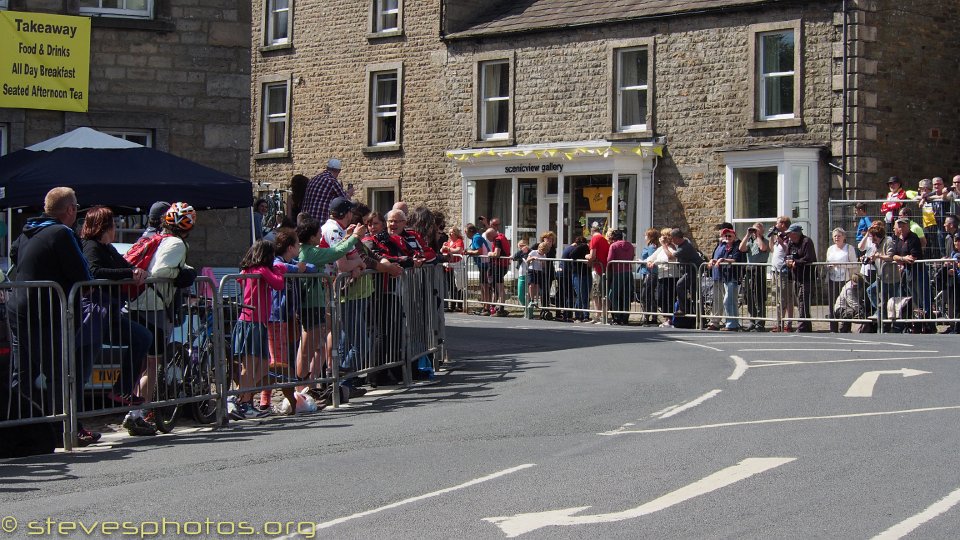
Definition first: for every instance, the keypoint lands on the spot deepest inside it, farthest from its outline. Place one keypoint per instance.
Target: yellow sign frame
(44, 61)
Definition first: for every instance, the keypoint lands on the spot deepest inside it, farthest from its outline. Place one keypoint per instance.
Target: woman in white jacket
(150, 308)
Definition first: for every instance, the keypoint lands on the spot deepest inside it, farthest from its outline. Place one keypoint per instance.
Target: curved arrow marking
(863, 386)
(523, 523)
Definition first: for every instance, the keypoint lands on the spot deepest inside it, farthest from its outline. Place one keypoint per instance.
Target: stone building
(170, 74)
(554, 114)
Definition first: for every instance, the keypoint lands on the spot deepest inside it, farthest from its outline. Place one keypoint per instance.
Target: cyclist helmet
(181, 216)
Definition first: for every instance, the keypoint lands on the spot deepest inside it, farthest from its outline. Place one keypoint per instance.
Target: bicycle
(191, 371)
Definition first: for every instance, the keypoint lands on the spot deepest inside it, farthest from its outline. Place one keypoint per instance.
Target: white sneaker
(234, 412)
(666, 325)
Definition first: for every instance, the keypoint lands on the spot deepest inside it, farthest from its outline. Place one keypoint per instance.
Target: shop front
(560, 187)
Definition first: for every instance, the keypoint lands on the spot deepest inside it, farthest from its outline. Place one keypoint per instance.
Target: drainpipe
(843, 107)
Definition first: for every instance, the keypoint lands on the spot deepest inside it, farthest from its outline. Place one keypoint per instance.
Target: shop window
(384, 110)
(4, 4)
(277, 23)
(765, 184)
(386, 17)
(275, 117)
(3, 140)
(141, 9)
(775, 60)
(143, 137)
(495, 100)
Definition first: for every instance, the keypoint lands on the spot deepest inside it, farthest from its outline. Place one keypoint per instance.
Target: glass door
(527, 211)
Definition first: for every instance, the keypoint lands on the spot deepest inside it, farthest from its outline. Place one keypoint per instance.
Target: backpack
(139, 256)
(504, 245)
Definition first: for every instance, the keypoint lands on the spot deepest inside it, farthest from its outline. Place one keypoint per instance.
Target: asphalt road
(551, 430)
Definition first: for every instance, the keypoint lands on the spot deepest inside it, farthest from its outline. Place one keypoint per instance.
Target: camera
(752, 230)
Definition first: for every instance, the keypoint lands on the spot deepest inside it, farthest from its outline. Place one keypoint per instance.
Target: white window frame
(765, 76)
(382, 12)
(270, 118)
(787, 161)
(488, 100)
(269, 24)
(384, 110)
(621, 89)
(4, 139)
(131, 135)
(100, 11)
(4, 4)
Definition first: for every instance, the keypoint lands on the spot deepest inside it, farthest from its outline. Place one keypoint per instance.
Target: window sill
(492, 143)
(387, 34)
(276, 47)
(772, 124)
(271, 155)
(123, 23)
(627, 135)
(382, 148)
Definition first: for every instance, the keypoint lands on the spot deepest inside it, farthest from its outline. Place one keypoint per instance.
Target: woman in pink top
(250, 333)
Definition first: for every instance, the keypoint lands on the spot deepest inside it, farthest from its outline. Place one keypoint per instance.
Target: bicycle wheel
(204, 381)
(169, 386)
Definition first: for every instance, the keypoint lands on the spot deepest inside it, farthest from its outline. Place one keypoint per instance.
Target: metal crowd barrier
(36, 385)
(85, 353)
(914, 298)
(560, 289)
(288, 350)
(455, 278)
(491, 283)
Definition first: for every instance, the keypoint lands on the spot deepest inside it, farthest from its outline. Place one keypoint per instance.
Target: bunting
(566, 152)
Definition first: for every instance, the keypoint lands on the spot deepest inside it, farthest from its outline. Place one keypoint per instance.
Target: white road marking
(863, 386)
(519, 524)
(696, 345)
(338, 521)
(775, 363)
(780, 420)
(691, 405)
(908, 525)
(781, 349)
(867, 342)
(740, 367)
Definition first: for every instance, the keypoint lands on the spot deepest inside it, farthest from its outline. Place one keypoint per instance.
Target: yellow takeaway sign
(44, 61)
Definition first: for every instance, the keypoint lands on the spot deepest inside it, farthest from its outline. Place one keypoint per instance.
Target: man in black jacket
(689, 261)
(800, 253)
(907, 252)
(47, 250)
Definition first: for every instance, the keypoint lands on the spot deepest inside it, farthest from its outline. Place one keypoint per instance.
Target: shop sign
(44, 61)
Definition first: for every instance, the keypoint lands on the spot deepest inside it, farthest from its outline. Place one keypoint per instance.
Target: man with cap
(322, 189)
(800, 254)
(688, 262)
(890, 208)
(155, 218)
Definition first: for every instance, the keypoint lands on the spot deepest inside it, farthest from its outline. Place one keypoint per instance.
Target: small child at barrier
(250, 341)
(283, 332)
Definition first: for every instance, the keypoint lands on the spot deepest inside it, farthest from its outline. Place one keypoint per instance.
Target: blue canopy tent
(113, 172)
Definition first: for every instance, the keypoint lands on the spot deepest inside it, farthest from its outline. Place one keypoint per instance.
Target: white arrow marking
(523, 523)
(863, 386)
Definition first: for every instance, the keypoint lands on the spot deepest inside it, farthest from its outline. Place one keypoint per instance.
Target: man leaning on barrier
(47, 250)
(800, 253)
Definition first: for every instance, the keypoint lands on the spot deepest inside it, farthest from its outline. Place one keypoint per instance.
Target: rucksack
(139, 256)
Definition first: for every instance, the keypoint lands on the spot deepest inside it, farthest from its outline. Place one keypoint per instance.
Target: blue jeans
(354, 335)
(730, 290)
(581, 289)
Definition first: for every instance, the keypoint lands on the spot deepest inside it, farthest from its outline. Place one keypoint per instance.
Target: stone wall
(917, 72)
(184, 75)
